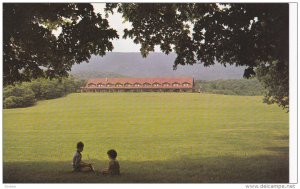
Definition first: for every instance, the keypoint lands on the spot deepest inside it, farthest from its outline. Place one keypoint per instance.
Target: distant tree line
(26, 94)
(244, 87)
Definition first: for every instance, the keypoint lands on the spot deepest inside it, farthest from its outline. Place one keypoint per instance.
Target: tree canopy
(252, 35)
(31, 48)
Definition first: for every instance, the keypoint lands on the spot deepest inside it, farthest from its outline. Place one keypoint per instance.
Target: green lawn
(159, 137)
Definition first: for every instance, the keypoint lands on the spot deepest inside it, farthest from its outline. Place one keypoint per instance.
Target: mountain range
(116, 64)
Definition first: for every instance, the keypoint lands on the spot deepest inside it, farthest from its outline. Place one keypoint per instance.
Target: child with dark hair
(79, 165)
(113, 167)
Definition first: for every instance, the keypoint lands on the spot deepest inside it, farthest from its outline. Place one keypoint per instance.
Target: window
(137, 84)
(91, 85)
(186, 84)
(147, 84)
(127, 85)
(119, 85)
(100, 85)
(176, 84)
(156, 84)
(166, 84)
(109, 85)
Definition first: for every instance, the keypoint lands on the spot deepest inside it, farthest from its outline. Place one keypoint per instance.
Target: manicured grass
(159, 137)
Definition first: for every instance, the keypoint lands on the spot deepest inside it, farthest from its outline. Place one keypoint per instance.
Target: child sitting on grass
(113, 167)
(78, 165)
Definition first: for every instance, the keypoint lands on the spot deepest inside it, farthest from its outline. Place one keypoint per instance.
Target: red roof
(142, 81)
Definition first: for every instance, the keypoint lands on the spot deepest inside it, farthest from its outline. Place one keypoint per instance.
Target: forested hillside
(155, 65)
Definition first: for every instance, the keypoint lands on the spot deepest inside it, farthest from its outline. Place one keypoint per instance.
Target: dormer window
(166, 84)
(146, 84)
(91, 85)
(186, 84)
(127, 85)
(176, 84)
(109, 85)
(156, 84)
(100, 85)
(137, 84)
(119, 85)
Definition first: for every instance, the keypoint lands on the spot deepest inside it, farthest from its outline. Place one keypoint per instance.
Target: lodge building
(181, 84)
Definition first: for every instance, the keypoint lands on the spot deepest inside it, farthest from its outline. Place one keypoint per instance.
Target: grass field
(159, 137)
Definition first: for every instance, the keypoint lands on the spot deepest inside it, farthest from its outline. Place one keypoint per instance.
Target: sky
(116, 22)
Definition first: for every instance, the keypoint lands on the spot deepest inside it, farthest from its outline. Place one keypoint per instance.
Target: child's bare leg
(92, 168)
(104, 171)
(87, 168)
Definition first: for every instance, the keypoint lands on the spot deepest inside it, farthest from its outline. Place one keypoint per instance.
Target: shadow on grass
(256, 169)
(283, 150)
(282, 137)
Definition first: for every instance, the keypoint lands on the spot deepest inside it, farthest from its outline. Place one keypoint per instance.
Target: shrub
(18, 96)
(26, 93)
